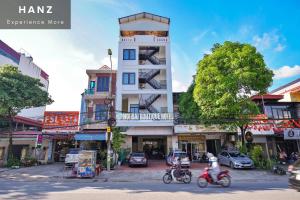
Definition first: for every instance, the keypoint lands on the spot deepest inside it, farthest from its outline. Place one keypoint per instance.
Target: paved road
(87, 189)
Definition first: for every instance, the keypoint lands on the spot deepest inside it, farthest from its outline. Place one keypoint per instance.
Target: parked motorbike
(173, 174)
(224, 179)
(278, 170)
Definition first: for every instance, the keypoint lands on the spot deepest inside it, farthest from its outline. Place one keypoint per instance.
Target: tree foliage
(118, 139)
(225, 81)
(188, 108)
(17, 92)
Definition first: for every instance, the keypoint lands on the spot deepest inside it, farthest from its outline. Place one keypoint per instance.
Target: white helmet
(210, 155)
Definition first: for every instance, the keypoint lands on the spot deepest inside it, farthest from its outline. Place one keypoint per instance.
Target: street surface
(89, 189)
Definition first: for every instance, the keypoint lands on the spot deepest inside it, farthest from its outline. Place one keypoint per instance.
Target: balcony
(91, 93)
(91, 123)
(141, 38)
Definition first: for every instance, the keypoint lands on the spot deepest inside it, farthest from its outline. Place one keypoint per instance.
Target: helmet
(210, 155)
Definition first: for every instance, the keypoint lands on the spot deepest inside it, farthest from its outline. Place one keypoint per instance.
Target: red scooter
(224, 179)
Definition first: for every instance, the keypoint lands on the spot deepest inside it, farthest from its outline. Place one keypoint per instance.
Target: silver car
(175, 155)
(235, 159)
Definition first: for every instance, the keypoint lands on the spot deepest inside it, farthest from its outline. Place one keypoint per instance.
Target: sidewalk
(155, 172)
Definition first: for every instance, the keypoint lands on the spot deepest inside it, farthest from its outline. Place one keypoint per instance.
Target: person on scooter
(177, 167)
(214, 168)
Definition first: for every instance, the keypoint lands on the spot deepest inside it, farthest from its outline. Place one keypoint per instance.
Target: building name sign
(292, 134)
(145, 116)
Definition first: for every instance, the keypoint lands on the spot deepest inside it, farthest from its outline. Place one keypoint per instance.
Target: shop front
(199, 139)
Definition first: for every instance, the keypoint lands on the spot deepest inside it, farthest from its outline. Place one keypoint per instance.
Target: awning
(89, 137)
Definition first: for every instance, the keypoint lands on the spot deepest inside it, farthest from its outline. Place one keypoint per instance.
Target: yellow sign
(191, 138)
(108, 129)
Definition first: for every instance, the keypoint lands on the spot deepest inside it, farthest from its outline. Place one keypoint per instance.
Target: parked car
(235, 159)
(174, 155)
(138, 158)
(294, 177)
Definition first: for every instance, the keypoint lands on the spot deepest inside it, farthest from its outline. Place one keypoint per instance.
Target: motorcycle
(182, 175)
(278, 170)
(224, 179)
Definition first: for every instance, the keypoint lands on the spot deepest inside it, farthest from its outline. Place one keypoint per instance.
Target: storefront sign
(292, 134)
(198, 129)
(61, 121)
(39, 140)
(191, 138)
(145, 116)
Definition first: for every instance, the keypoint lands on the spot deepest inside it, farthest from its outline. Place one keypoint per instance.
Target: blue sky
(271, 26)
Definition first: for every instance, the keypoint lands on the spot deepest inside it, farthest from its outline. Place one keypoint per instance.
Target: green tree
(17, 92)
(117, 140)
(225, 81)
(188, 108)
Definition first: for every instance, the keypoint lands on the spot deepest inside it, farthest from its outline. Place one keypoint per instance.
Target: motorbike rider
(214, 168)
(177, 168)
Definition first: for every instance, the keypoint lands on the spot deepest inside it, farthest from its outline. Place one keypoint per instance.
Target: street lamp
(109, 52)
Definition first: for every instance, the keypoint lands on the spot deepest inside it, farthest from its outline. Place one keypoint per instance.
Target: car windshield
(236, 154)
(180, 154)
(297, 163)
(137, 154)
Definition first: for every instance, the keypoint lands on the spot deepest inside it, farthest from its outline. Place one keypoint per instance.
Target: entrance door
(213, 146)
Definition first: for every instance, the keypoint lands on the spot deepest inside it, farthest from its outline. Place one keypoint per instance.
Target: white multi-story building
(25, 64)
(144, 103)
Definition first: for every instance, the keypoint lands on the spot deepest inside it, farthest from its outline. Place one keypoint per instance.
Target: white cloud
(279, 47)
(196, 39)
(286, 72)
(179, 86)
(271, 40)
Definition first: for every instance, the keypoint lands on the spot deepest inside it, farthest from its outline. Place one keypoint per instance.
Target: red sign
(64, 120)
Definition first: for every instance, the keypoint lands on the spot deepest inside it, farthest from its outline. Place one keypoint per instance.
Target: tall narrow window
(128, 54)
(101, 112)
(103, 84)
(128, 78)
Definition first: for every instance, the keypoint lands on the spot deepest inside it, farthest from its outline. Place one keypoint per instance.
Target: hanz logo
(35, 9)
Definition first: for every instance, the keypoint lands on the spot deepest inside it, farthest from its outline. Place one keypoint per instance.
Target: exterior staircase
(148, 77)
(147, 103)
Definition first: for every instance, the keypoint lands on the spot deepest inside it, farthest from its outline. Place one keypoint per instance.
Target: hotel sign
(145, 116)
(35, 14)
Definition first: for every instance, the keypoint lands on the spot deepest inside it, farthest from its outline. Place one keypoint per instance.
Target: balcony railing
(90, 91)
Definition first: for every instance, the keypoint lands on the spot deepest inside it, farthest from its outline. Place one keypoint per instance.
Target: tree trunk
(10, 135)
(242, 134)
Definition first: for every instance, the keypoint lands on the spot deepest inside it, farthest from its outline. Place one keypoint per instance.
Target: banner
(61, 121)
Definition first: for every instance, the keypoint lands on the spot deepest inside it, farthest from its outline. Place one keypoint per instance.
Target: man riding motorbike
(214, 168)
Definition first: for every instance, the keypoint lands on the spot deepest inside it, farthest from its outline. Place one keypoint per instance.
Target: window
(134, 108)
(103, 84)
(101, 112)
(128, 78)
(128, 54)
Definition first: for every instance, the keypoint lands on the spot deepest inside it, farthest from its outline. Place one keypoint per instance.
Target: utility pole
(109, 114)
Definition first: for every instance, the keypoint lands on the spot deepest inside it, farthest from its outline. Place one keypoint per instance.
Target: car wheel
(231, 165)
